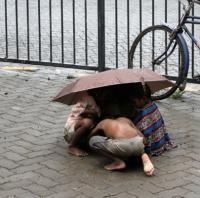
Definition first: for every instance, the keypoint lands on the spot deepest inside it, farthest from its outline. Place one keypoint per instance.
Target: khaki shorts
(118, 147)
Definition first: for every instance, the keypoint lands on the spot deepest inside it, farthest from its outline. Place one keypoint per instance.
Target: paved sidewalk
(33, 155)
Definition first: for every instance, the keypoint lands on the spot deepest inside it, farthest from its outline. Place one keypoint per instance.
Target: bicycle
(172, 53)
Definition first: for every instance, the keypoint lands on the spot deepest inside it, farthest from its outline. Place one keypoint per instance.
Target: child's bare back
(119, 128)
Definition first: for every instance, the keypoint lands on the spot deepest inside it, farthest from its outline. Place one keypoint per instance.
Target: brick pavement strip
(13, 193)
(33, 155)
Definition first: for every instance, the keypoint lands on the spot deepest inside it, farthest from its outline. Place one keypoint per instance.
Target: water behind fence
(71, 33)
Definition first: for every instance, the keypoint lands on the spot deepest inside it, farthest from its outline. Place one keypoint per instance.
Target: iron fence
(81, 34)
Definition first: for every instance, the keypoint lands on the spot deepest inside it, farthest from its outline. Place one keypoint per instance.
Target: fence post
(101, 35)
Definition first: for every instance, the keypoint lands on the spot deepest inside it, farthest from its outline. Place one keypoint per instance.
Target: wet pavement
(33, 154)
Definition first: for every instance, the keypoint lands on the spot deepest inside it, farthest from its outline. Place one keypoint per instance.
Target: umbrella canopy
(70, 93)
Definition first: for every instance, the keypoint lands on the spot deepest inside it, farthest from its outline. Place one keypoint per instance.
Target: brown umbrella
(72, 91)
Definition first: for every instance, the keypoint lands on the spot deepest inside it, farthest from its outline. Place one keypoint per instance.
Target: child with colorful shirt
(150, 122)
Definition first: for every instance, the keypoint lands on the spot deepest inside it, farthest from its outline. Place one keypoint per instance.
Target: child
(121, 140)
(107, 101)
(150, 122)
(113, 101)
(79, 123)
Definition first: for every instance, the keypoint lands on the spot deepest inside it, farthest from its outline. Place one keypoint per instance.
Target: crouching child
(119, 139)
(81, 120)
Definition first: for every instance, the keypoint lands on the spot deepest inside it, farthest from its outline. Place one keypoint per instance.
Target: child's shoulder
(148, 104)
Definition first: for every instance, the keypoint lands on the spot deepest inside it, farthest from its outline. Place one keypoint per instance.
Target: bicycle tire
(139, 51)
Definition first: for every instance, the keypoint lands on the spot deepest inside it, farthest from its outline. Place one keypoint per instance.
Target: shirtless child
(121, 140)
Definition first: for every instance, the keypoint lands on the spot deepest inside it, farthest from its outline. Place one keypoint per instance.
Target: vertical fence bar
(6, 28)
(50, 28)
(116, 32)
(74, 31)
(39, 30)
(140, 15)
(86, 35)
(179, 11)
(192, 55)
(101, 35)
(166, 9)
(179, 17)
(17, 36)
(62, 31)
(153, 35)
(153, 12)
(128, 30)
(28, 37)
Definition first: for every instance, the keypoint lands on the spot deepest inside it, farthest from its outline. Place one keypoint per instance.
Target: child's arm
(143, 84)
(89, 114)
(138, 131)
(146, 89)
(96, 130)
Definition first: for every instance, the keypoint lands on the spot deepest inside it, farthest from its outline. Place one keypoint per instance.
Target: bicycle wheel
(153, 49)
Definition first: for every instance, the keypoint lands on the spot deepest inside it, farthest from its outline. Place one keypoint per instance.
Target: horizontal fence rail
(83, 34)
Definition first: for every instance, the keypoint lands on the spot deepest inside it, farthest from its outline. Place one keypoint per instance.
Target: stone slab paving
(34, 162)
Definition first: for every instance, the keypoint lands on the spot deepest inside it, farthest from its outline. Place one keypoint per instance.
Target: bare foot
(116, 165)
(77, 152)
(148, 166)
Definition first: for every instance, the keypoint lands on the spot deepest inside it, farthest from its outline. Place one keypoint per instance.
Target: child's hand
(142, 81)
(143, 84)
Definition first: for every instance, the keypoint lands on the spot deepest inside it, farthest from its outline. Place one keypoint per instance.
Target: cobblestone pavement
(33, 155)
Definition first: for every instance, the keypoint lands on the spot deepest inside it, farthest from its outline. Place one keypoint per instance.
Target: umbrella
(71, 92)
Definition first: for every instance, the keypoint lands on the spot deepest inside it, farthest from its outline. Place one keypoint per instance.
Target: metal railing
(81, 34)
(37, 32)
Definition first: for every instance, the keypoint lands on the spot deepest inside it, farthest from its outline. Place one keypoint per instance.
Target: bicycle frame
(186, 19)
(188, 32)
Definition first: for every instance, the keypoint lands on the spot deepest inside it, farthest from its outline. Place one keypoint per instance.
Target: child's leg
(147, 164)
(117, 164)
(68, 132)
(101, 145)
(82, 129)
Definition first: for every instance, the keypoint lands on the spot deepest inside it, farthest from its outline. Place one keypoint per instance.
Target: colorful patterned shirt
(150, 122)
